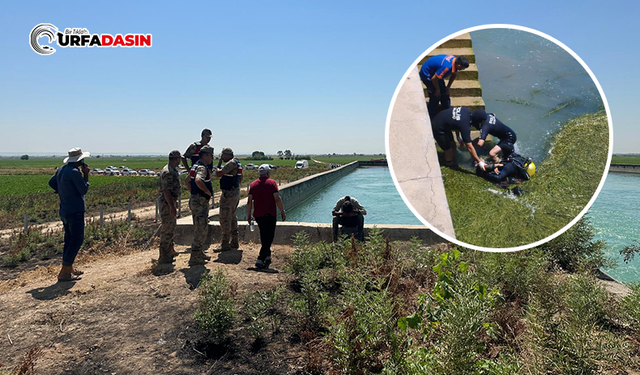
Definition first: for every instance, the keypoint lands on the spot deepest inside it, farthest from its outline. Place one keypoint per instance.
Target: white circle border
(604, 174)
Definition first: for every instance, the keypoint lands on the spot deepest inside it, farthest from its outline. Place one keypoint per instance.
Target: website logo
(81, 37)
(42, 30)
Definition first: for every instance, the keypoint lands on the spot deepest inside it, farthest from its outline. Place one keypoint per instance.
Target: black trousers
(267, 225)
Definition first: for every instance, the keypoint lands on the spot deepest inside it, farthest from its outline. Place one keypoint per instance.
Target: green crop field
(625, 159)
(149, 162)
(485, 215)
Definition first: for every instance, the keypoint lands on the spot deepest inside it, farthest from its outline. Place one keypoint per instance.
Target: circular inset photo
(499, 138)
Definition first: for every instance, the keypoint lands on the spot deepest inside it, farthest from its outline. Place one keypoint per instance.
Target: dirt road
(121, 319)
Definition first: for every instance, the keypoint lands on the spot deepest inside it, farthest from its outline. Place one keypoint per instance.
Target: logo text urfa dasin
(79, 37)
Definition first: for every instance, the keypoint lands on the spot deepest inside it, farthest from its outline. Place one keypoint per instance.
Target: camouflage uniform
(168, 180)
(199, 205)
(229, 184)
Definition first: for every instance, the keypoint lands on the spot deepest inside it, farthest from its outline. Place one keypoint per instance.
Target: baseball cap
(263, 169)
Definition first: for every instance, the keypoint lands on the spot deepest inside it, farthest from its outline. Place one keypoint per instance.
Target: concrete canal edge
(413, 156)
(293, 194)
(624, 168)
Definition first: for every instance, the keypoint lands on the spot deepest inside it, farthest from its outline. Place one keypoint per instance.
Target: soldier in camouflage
(169, 188)
(201, 193)
(230, 178)
(193, 151)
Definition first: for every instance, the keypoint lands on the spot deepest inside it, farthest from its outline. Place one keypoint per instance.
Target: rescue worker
(193, 151)
(169, 188)
(356, 210)
(230, 179)
(488, 124)
(433, 72)
(512, 170)
(201, 192)
(448, 120)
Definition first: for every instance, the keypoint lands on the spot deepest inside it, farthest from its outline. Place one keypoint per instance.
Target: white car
(146, 172)
(111, 172)
(97, 171)
(250, 166)
(129, 172)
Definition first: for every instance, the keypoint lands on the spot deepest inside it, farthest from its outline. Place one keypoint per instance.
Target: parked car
(146, 172)
(129, 172)
(250, 166)
(301, 164)
(112, 172)
(97, 171)
(122, 167)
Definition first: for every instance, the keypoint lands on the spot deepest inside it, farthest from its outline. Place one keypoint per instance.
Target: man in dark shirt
(71, 183)
(489, 124)
(456, 119)
(263, 198)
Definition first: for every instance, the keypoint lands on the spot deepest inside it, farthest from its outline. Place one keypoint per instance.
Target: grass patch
(564, 183)
(560, 107)
(625, 159)
(519, 101)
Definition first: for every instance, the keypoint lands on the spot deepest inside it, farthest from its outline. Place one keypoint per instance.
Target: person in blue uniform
(489, 124)
(456, 119)
(433, 73)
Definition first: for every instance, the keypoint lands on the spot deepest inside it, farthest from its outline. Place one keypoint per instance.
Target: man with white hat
(71, 183)
(263, 198)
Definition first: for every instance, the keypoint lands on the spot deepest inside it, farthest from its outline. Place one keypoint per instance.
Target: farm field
(624, 159)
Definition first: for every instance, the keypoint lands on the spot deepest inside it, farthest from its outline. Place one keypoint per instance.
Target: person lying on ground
(512, 170)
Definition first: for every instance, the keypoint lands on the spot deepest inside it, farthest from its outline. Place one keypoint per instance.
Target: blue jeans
(73, 237)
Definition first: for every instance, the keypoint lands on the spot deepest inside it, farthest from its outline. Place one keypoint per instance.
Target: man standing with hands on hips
(264, 192)
(71, 183)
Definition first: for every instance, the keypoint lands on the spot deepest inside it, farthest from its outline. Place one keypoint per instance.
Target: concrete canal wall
(624, 168)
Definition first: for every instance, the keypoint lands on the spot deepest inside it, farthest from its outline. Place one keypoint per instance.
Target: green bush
(261, 311)
(216, 312)
(576, 248)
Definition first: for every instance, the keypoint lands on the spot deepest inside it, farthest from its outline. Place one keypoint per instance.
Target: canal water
(532, 85)
(616, 216)
(372, 186)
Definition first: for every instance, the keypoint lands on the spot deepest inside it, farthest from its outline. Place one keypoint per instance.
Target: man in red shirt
(263, 198)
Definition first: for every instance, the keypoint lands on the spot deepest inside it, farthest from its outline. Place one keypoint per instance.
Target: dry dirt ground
(121, 319)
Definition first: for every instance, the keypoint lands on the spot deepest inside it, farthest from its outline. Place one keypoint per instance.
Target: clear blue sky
(313, 77)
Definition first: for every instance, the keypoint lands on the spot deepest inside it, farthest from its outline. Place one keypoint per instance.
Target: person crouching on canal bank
(230, 178)
(71, 183)
(169, 188)
(201, 192)
(264, 198)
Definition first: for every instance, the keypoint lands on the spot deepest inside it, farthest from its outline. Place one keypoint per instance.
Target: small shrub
(261, 310)
(576, 248)
(216, 312)
(10, 260)
(630, 307)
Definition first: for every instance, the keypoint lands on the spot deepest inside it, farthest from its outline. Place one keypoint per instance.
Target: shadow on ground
(52, 291)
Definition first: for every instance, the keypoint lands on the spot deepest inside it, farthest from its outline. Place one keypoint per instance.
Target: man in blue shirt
(433, 73)
(71, 183)
(488, 123)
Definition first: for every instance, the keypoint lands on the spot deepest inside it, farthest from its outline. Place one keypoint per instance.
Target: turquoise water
(372, 186)
(616, 216)
(523, 78)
